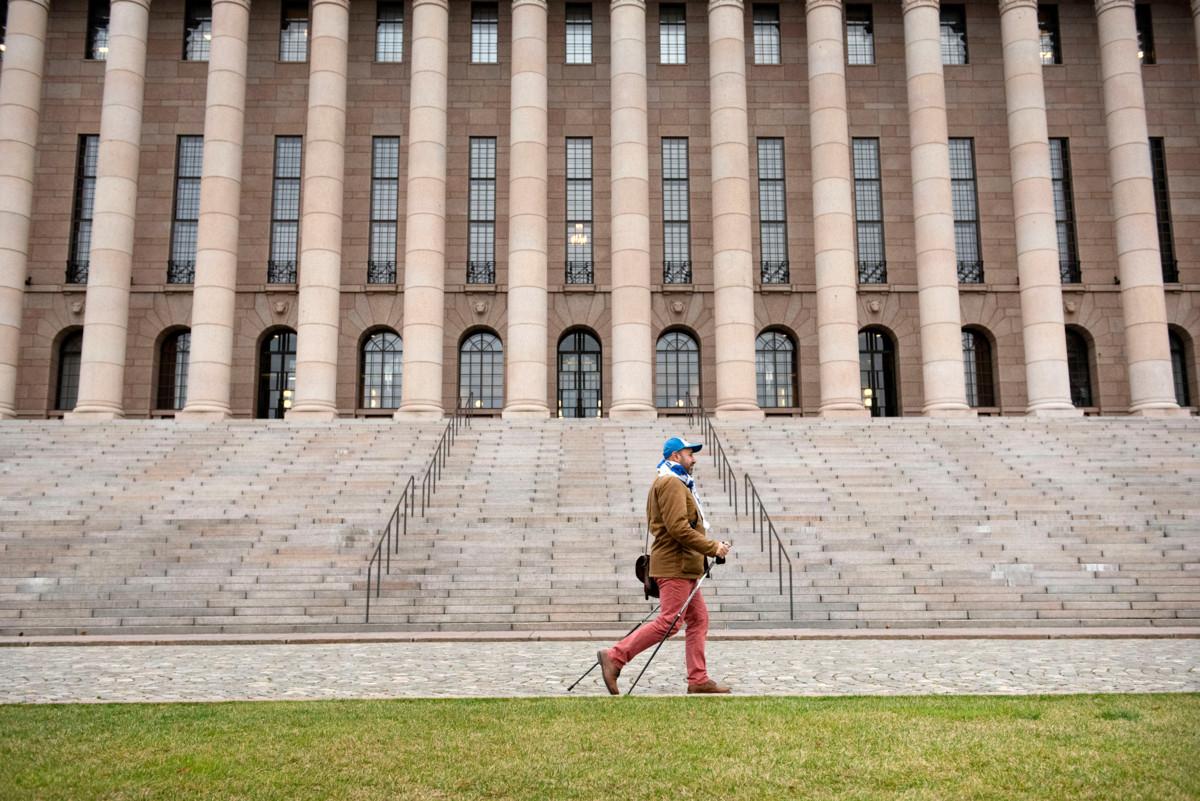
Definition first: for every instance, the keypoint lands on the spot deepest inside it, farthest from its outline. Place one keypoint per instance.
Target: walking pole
(671, 630)
(597, 662)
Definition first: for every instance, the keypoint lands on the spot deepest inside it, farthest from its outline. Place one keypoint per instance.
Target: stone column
(211, 359)
(833, 213)
(320, 279)
(528, 138)
(425, 218)
(632, 335)
(933, 215)
(1047, 383)
(1147, 348)
(106, 318)
(733, 260)
(20, 111)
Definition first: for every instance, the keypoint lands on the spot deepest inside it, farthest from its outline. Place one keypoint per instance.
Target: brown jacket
(680, 541)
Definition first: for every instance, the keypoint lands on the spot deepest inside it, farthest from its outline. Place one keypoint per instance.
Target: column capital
(909, 5)
(713, 5)
(813, 5)
(339, 3)
(1108, 5)
(541, 4)
(1009, 5)
(244, 4)
(45, 4)
(143, 3)
(442, 4)
(638, 4)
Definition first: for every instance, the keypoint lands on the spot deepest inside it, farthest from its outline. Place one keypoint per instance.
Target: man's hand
(723, 549)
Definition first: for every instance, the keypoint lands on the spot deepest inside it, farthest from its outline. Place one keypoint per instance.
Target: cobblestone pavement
(456, 669)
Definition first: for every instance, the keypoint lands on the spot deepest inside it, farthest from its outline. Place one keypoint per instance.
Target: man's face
(686, 458)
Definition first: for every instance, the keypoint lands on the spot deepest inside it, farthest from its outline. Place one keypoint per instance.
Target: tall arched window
(676, 370)
(578, 375)
(977, 368)
(877, 366)
(481, 371)
(173, 370)
(1079, 368)
(775, 366)
(70, 353)
(382, 359)
(1179, 367)
(276, 373)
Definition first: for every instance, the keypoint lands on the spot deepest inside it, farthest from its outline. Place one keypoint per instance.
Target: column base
(1054, 411)
(633, 412)
(525, 411)
(1160, 411)
(950, 411)
(93, 414)
(845, 411)
(739, 413)
(319, 414)
(7, 414)
(202, 413)
(419, 412)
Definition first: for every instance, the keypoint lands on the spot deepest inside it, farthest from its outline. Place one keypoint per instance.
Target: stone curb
(604, 635)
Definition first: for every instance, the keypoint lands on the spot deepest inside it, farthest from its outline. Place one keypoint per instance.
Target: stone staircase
(164, 527)
(989, 522)
(156, 527)
(538, 526)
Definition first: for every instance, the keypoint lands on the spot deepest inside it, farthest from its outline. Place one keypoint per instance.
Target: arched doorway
(877, 367)
(70, 355)
(1079, 368)
(173, 369)
(381, 370)
(977, 368)
(1179, 369)
(775, 368)
(481, 371)
(676, 370)
(276, 373)
(579, 375)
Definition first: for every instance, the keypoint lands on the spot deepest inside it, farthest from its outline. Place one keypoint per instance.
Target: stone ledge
(592, 635)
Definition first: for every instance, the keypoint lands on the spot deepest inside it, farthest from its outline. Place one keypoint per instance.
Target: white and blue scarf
(669, 468)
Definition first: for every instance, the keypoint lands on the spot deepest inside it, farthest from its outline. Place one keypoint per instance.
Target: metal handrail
(760, 521)
(708, 435)
(397, 525)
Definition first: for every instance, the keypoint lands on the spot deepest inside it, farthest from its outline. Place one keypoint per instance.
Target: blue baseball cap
(679, 444)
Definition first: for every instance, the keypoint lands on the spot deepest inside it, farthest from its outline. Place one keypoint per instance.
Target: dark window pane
(954, 34)
(860, 35)
(579, 33)
(197, 30)
(1145, 33)
(293, 30)
(1162, 208)
(672, 34)
(97, 30)
(1048, 31)
(389, 31)
(485, 32)
(766, 34)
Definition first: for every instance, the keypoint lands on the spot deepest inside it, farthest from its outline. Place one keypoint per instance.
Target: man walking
(677, 521)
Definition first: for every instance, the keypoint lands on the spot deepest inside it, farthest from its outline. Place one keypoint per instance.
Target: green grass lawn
(1120, 747)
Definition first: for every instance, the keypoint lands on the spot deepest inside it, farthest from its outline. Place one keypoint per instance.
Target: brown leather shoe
(609, 671)
(708, 687)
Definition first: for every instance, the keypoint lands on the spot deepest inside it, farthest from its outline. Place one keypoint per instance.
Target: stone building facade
(744, 331)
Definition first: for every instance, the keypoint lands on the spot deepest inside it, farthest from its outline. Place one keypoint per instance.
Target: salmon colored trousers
(672, 593)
